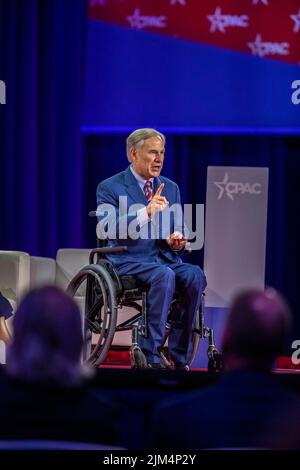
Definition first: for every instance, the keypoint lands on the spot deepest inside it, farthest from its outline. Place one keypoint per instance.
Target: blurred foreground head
(47, 339)
(256, 330)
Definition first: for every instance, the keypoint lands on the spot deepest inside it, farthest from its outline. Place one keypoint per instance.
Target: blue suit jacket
(120, 198)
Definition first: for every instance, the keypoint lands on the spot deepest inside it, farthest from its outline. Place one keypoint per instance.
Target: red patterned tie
(148, 190)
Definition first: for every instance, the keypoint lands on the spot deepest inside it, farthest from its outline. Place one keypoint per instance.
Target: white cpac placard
(235, 231)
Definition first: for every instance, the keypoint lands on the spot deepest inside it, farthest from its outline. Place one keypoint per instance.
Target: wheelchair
(104, 292)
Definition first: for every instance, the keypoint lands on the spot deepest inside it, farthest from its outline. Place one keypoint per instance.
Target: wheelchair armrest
(106, 250)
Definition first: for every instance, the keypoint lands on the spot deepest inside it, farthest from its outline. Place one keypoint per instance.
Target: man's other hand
(158, 203)
(177, 241)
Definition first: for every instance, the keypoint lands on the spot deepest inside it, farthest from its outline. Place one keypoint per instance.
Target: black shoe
(181, 366)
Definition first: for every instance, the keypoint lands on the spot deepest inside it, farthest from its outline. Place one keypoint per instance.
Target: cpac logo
(230, 188)
(140, 22)
(220, 22)
(296, 94)
(296, 19)
(2, 92)
(262, 48)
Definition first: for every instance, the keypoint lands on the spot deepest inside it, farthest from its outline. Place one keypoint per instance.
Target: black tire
(195, 335)
(94, 284)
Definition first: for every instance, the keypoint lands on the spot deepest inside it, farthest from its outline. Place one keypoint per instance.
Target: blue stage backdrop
(42, 46)
(186, 161)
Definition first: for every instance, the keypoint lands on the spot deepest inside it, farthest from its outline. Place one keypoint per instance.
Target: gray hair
(138, 137)
(42, 349)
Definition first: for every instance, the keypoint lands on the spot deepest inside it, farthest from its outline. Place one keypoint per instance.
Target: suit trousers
(163, 279)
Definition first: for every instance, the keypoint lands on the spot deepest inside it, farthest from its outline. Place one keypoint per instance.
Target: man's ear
(133, 155)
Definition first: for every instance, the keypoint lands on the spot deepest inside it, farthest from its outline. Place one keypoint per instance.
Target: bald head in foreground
(248, 406)
(256, 330)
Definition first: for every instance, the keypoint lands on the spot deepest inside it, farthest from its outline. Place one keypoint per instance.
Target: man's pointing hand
(158, 203)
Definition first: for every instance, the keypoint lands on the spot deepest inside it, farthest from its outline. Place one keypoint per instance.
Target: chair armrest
(42, 271)
(14, 274)
(68, 262)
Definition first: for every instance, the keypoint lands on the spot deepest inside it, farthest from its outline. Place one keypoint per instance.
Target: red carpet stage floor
(116, 372)
(120, 359)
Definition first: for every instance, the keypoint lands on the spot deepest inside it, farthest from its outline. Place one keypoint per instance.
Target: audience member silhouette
(44, 390)
(246, 407)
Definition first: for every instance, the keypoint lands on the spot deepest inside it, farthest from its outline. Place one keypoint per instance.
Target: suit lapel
(133, 188)
(156, 184)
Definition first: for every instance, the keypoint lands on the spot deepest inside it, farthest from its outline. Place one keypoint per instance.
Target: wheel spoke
(100, 310)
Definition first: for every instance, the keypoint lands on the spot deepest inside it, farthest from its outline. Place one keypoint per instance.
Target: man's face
(147, 160)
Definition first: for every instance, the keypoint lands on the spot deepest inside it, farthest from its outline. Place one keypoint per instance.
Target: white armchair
(14, 275)
(42, 271)
(14, 282)
(68, 263)
(19, 272)
(60, 271)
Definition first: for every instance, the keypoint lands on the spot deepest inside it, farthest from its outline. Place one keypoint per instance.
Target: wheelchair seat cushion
(132, 282)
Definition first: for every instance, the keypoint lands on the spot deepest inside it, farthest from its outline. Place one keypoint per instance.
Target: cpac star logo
(296, 18)
(255, 2)
(230, 188)
(262, 48)
(221, 22)
(136, 20)
(181, 2)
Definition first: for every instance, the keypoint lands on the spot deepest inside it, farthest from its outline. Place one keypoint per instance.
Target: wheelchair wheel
(195, 336)
(165, 357)
(95, 291)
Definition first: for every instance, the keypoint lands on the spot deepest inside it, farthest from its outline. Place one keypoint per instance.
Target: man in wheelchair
(141, 209)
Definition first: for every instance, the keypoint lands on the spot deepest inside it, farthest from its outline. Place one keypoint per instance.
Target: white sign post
(235, 238)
